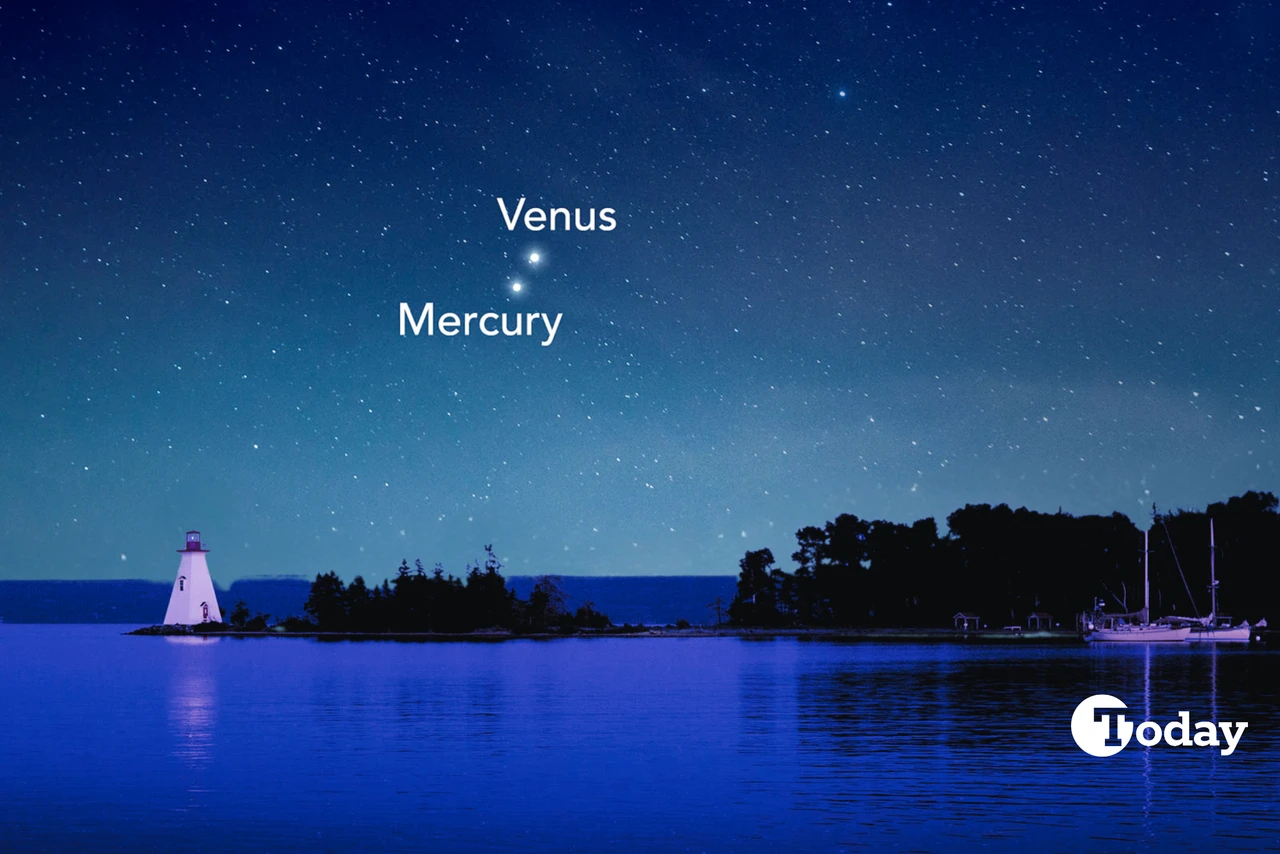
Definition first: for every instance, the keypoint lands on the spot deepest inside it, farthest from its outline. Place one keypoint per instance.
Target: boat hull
(1232, 634)
(1139, 634)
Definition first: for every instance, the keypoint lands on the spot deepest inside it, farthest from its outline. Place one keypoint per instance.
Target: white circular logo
(1099, 726)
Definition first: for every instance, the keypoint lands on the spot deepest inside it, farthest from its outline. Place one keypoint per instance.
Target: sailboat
(1144, 631)
(1213, 627)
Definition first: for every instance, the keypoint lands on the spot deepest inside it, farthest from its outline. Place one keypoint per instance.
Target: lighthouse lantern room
(193, 599)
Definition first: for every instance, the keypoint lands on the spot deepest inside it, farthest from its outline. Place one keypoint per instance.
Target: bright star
(534, 257)
(516, 286)
(842, 93)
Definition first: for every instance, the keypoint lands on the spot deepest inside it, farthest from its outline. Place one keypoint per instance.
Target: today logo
(1100, 728)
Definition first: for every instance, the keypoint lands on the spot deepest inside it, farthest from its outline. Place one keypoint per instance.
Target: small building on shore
(1039, 620)
(966, 620)
(193, 600)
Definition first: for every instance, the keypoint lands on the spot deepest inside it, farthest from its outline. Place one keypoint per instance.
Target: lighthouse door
(204, 606)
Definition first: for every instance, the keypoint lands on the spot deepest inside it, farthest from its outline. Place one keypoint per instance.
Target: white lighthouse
(192, 600)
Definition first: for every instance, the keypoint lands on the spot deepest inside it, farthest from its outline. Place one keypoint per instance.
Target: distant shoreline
(915, 635)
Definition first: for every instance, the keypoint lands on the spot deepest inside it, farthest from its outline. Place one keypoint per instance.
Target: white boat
(1140, 633)
(1144, 631)
(1214, 628)
(1222, 632)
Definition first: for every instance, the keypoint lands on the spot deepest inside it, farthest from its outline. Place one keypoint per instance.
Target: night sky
(880, 258)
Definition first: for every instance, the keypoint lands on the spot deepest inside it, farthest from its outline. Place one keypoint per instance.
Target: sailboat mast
(1213, 577)
(1146, 577)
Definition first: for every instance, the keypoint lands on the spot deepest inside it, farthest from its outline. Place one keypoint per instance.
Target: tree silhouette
(756, 602)
(415, 601)
(1006, 563)
(327, 603)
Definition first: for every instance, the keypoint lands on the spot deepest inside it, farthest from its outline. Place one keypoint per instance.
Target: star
(517, 287)
(534, 257)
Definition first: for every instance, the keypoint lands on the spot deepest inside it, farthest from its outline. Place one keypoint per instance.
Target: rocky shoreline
(628, 631)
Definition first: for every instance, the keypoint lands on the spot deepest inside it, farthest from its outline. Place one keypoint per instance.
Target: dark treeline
(418, 601)
(1247, 531)
(1005, 564)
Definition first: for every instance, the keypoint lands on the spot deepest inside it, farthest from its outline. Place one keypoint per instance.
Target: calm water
(278, 745)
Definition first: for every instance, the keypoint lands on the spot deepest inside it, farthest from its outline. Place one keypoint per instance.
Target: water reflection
(903, 741)
(191, 640)
(193, 713)
(1148, 787)
(660, 745)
